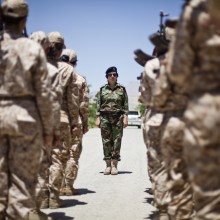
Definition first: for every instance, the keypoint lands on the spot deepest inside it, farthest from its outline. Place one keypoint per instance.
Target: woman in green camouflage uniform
(112, 110)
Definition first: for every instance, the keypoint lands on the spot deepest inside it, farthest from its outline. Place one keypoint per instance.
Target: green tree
(141, 108)
(92, 114)
(92, 110)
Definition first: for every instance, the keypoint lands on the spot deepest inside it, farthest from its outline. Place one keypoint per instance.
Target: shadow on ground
(72, 202)
(121, 172)
(84, 191)
(152, 216)
(149, 191)
(157, 216)
(60, 216)
(149, 200)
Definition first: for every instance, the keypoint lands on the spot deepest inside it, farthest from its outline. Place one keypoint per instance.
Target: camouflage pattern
(56, 93)
(56, 37)
(70, 100)
(167, 99)
(72, 165)
(115, 100)
(111, 105)
(42, 189)
(15, 8)
(213, 9)
(26, 113)
(197, 75)
(68, 119)
(59, 157)
(152, 135)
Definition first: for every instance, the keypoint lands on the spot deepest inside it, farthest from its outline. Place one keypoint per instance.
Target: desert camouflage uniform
(196, 72)
(68, 120)
(76, 140)
(42, 190)
(152, 136)
(111, 105)
(167, 99)
(213, 9)
(25, 113)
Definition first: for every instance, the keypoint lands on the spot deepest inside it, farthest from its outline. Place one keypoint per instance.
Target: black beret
(111, 69)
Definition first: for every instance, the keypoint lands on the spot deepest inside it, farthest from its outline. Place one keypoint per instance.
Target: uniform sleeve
(98, 103)
(144, 90)
(84, 104)
(162, 89)
(181, 53)
(57, 93)
(57, 88)
(125, 107)
(43, 96)
(73, 101)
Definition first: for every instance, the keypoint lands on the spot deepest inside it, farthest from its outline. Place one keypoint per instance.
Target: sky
(103, 33)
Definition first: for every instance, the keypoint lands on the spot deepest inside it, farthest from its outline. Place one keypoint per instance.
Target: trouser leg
(23, 170)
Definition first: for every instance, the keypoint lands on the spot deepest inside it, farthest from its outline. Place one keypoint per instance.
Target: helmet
(71, 54)
(15, 8)
(56, 37)
(41, 38)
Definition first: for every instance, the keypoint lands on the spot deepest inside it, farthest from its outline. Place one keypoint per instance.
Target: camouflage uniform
(213, 9)
(196, 72)
(167, 100)
(68, 120)
(111, 105)
(26, 113)
(42, 191)
(76, 139)
(152, 136)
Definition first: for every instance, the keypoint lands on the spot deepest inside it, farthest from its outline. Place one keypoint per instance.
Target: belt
(12, 98)
(113, 114)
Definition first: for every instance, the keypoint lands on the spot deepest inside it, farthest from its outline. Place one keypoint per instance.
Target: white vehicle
(134, 118)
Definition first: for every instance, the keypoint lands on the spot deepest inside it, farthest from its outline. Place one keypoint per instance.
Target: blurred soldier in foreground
(195, 71)
(25, 113)
(68, 119)
(112, 110)
(153, 119)
(166, 98)
(56, 93)
(72, 165)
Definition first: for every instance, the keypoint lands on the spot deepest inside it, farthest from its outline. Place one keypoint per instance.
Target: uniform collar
(116, 85)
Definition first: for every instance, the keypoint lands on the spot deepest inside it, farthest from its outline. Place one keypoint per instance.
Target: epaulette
(121, 85)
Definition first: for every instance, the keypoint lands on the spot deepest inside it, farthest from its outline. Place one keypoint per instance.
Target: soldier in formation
(186, 90)
(42, 190)
(196, 74)
(39, 96)
(68, 118)
(26, 113)
(71, 169)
